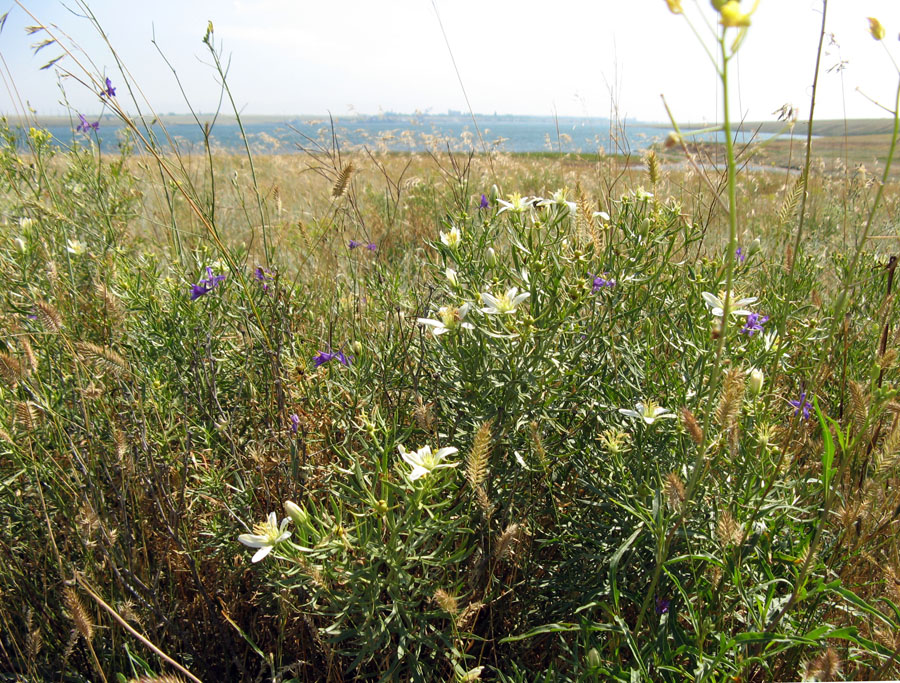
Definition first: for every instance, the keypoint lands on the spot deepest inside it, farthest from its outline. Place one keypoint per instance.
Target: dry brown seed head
(78, 614)
(691, 426)
(446, 602)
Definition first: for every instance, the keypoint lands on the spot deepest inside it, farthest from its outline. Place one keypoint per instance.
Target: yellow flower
(674, 6)
(732, 15)
(876, 29)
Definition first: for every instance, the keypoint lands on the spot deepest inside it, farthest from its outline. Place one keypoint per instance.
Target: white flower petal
(253, 541)
(261, 553)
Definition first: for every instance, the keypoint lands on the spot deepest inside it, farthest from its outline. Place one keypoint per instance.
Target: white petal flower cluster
(450, 318)
(504, 304)
(717, 305)
(266, 536)
(424, 461)
(648, 411)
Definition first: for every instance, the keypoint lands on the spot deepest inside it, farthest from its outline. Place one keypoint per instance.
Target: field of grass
(444, 416)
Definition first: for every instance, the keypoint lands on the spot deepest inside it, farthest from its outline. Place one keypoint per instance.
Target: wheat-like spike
(887, 361)
(727, 530)
(477, 460)
(11, 370)
(109, 300)
(509, 539)
(121, 443)
(4, 435)
(673, 488)
(888, 456)
(53, 273)
(790, 203)
(466, 620)
(28, 350)
(28, 415)
(343, 181)
(33, 642)
(446, 602)
(538, 443)
(78, 614)
(730, 401)
(104, 358)
(859, 405)
(50, 319)
(652, 162)
(825, 667)
(481, 497)
(422, 414)
(691, 426)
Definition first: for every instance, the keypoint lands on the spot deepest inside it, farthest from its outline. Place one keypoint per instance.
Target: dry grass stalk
(79, 614)
(825, 667)
(652, 162)
(859, 406)
(691, 426)
(109, 301)
(49, 317)
(28, 415)
(511, 537)
(105, 359)
(887, 457)
(423, 415)
(791, 202)
(29, 353)
(728, 531)
(538, 444)
(446, 602)
(477, 460)
(343, 181)
(673, 488)
(730, 402)
(466, 620)
(11, 370)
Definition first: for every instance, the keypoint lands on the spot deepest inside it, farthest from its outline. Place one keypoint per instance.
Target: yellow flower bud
(674, 6)
(876, 29)
(732, 15)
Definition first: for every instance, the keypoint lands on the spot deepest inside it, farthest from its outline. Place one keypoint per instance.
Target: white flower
(717, 306)
(560, 198)
(649, 412)
(451, 276)
(517, 203)
(26, 223)
(75, 247)
(503, 304)
(452, 238)
(601, 214)
(424, 462)
(451, 318)
(266, 536)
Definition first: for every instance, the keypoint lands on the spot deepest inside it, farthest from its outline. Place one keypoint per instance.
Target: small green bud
(298, 515)
(490, 258)
(593, 658)
(755, 382)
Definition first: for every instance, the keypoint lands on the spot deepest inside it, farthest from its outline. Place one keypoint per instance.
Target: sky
(569, 57)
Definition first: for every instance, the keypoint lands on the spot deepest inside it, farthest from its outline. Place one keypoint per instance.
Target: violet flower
(802, 405)
(205, 285)
(263, 275)
(353, 244)
(484, 202)
(662, 606)
(110, 90)
(86, 126)
(371, 246)
(754, 324)
(600, 283)
(739, 254)
(327, 356)
(295, 423)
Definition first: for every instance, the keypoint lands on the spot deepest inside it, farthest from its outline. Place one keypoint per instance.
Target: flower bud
(298, 515)
(451, 276)
(876, 29)
(381, 507)
(490, 258)
(755, 382)
(495, 194)
(357, 347)
(754, 247)
(593, 658)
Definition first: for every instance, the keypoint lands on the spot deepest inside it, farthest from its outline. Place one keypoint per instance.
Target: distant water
(395, 133)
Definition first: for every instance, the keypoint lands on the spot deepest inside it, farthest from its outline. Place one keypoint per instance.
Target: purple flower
(295, 423)
(86, 126)
(803, 405)
(739, 254)
(662, 606)
(263, 275)
(327, 356)
(353, 244)
(484, 202)
(206, 284)
(600, 283)
(110, 90)
(371, 246)
(754, 324)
